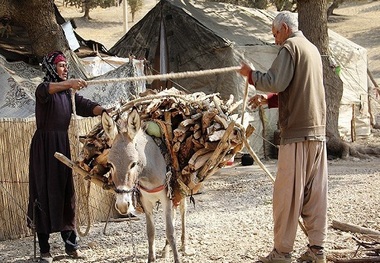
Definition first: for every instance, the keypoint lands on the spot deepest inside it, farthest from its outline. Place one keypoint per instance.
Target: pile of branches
(196, 130)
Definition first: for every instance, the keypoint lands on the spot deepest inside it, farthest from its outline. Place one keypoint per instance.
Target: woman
(51, 185)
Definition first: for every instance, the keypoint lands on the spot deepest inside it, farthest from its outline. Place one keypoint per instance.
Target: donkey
(137, 164)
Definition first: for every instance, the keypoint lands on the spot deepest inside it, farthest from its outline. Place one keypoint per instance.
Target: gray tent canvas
(174, 41)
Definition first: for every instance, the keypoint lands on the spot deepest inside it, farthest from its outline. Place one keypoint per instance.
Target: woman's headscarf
(49, 66)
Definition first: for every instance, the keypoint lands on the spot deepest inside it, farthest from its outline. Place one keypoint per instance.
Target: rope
(20, 206)
(187, 74)
(76, 154)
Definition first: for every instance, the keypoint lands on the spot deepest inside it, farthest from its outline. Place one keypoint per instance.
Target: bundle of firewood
(196, 130)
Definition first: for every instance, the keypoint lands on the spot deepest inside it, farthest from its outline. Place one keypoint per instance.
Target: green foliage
(281, 5)
(91, 3)
(135, 5)
(260, 4)
(263, 4)
(101, 3)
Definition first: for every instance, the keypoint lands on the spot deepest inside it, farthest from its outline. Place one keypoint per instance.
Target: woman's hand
(77, 84)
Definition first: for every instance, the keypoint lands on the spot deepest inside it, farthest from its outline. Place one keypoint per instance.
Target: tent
(178, 36)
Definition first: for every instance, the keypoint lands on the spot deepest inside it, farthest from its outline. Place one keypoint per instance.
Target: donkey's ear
(109, 126)
(133, 123)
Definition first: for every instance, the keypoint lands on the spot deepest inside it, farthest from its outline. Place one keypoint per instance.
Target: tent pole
(125, 16)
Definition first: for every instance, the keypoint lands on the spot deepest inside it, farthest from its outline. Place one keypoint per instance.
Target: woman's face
(62, 70)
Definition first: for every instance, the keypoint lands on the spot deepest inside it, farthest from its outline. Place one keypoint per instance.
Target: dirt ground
(231, 221)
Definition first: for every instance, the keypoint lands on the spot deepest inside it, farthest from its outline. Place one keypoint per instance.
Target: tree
(44, 32)
(87, 5)
(135, 5)
(335, 4)
(284, 4)
(312, 18)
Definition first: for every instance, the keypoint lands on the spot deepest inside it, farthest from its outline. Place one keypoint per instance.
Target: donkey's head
(124, 158)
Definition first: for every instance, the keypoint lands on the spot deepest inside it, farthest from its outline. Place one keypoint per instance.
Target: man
(300, 189)
(51, 185)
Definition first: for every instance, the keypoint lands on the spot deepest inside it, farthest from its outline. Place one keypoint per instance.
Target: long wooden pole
(354, 228)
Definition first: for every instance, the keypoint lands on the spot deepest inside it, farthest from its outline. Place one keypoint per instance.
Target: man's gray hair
(289, 18)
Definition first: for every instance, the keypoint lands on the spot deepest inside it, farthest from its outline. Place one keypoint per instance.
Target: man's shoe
(313, 256)
(277, 257)
(46, 258)
(75, 254)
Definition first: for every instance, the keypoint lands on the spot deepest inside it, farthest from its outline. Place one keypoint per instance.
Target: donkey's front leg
(151, 235)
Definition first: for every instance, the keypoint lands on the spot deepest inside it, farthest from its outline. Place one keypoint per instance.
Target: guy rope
(87, 194)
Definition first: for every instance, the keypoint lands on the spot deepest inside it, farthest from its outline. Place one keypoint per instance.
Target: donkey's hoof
(188, 251)
(165, 252)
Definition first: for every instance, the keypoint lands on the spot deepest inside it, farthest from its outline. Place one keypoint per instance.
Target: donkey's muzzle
(124, 204)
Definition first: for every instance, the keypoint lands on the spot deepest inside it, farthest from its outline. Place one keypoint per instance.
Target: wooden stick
(244, 101)
(353, 228)
(263, 133)
(342, 252)
(254, 156)
(355, 260)
(81, 172)
(148, 99)
(213, 159)
(372, 78)
(353, 124)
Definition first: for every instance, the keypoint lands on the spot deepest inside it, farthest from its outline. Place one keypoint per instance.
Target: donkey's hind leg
(167, 247)
(182, 210)
(185, 249)
(169, 214)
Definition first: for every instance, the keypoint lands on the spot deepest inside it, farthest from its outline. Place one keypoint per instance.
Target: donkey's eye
(111, 167)
(132, 165)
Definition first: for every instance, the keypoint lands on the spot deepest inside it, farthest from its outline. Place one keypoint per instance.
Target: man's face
(280, 34)
(62, 70)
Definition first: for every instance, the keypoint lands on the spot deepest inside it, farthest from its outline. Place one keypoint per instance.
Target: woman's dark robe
(50, 181)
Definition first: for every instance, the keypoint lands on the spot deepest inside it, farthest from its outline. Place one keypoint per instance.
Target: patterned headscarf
(49, 66)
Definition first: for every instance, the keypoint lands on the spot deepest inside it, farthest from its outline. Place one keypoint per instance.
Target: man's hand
(245, 70)
(257, 100)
